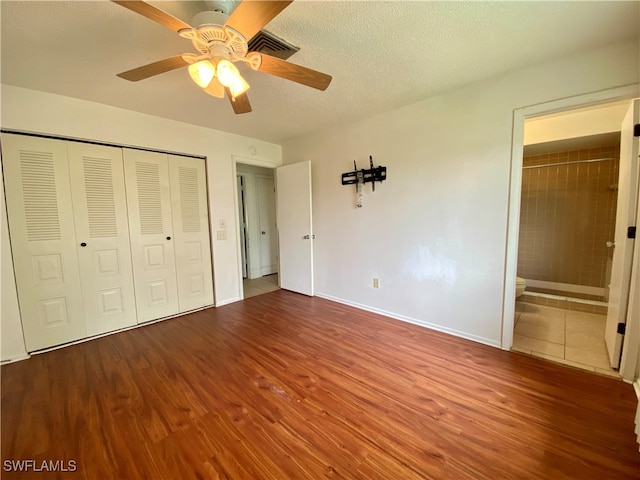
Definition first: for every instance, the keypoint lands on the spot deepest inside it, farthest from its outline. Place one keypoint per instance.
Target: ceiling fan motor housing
(216, 40)
(210, 17)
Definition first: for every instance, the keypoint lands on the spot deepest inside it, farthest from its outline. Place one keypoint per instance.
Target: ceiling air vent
(265, 42)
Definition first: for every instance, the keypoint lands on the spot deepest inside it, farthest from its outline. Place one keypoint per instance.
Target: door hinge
(621, 328)
(636, 130)
(631, 232)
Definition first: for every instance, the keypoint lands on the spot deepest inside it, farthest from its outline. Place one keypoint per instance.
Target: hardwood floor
(283, 386)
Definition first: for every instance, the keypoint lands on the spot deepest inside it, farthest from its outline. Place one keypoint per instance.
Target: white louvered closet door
(191, 230)
(151, 233)
(43, 240)
(102, 236)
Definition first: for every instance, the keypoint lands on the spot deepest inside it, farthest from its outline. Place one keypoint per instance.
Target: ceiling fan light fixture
(202, 73)
(238, 87)
(227, 73)
(215, 89)
(220, 41)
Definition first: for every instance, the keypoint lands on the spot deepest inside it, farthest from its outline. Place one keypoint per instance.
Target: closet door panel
(102, 232)
(41, 224)
(191, 231)
(151, 232)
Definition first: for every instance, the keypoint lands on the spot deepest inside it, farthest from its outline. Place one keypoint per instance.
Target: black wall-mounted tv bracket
(362, 176)
(372, 174)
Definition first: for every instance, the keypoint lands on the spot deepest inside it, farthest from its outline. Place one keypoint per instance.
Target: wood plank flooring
(283, 386)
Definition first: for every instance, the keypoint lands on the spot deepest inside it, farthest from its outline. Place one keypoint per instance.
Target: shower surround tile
(567, 215)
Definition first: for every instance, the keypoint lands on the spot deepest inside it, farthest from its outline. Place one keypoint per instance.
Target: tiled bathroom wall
(567, 216)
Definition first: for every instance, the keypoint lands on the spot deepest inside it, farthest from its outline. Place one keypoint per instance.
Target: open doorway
(257, 229)
(554, 327)
(567, 223)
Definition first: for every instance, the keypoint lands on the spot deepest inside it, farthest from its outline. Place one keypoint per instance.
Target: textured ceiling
(381, 55)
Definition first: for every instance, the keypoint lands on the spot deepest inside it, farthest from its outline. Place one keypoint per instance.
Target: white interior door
(295, 229)
(191, 232)
(43, 240)
(151, 232)
(267, 221)
(623, 249)
(102, 236)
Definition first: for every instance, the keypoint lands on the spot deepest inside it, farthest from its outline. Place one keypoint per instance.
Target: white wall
(435, 231)
(11, 339)
(253, 213)
(39, 112)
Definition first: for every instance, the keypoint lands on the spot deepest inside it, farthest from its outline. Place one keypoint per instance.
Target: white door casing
(191, 232)
(151, 232)
(267, 225)
(630, 362)
(41, 224)
(295, 228)
(623, 249)
(242, 224)
(102, 236)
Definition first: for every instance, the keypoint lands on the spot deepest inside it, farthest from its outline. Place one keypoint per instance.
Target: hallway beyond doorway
(258, 286)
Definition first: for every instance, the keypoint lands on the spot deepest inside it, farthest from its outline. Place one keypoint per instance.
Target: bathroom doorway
(257, 229)
(566, 216)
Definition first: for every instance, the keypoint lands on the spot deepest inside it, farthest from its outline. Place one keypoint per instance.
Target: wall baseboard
(227, 301)
(415, 321)
(15, 358)
(270, 270)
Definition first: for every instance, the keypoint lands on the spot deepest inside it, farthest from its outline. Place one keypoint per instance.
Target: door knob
(264, 233)
(83, 244)
(611, 244)
(168, 238)
(306, 237)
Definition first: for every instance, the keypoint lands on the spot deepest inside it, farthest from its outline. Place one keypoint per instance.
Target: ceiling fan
(221, 42)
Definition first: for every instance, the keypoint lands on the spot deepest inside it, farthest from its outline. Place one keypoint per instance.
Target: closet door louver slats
(39, 195)
(149, 198)
(101, 205)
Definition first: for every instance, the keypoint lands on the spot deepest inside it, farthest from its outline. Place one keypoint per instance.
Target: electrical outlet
(376, 283)
(221, 234)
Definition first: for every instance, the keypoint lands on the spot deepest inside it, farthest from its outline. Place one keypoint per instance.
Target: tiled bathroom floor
(563, 336)
(258, 286)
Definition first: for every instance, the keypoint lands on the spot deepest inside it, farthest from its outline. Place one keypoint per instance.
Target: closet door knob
(83, 244)
(168, 238)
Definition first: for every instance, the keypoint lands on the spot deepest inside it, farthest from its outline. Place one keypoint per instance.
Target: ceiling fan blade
(240, 104)
(251, 15)
(154, 68)
(152, 13)
(295, 73)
